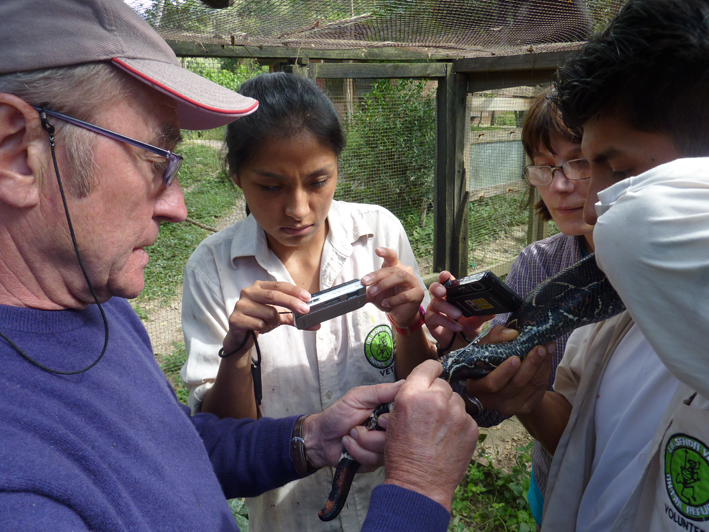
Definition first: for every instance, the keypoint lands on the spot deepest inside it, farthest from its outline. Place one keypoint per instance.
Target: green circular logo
(379, 347)
(687, 476)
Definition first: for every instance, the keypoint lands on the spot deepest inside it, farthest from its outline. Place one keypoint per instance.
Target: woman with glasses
(560, 174)
(242, 285)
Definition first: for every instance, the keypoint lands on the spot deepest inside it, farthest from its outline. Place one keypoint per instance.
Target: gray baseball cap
(40, 34)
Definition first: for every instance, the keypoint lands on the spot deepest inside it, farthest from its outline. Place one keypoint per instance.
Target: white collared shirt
(303, 372)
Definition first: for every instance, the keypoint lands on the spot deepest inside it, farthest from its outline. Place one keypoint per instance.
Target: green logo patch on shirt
(379, 347)
(687, 476)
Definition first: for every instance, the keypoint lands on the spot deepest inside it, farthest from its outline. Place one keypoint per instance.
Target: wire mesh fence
(390, 161)
(495, 158)
(391, 125)
(445, 28)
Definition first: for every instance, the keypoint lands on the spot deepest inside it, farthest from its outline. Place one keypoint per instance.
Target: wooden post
(451, 208)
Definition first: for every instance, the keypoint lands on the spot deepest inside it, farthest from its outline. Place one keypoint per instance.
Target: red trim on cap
(180, 96)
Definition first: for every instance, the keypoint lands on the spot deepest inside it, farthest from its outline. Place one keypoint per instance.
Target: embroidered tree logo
(379, 347)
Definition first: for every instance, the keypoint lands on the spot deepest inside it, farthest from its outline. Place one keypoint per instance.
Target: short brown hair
(542, 121)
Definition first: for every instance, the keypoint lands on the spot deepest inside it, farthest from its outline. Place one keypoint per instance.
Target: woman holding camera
(251, 276)
(560, 174)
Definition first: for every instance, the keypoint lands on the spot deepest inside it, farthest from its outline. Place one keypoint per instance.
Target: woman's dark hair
(542, 121)
(288, 104)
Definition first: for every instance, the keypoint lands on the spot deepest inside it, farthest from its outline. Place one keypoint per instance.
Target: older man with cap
(92, 437)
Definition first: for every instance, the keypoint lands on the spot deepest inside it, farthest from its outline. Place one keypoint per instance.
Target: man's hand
(327, 432)
(430, 439)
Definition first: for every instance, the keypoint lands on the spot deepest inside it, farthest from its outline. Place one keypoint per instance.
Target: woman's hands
(261, 308)
(394, 289)
(444, 319)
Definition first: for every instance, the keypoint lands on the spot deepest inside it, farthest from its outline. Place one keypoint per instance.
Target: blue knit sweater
(112, 449)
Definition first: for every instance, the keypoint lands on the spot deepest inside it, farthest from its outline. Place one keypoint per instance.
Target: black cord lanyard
(255, 364)
(50, 129)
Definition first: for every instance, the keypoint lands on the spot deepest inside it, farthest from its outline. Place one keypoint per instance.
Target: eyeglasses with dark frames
(540, 176)
(174, 161)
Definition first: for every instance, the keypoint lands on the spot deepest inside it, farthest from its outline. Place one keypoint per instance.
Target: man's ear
(22, 147)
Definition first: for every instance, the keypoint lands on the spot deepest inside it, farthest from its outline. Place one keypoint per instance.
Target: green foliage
(493, 500)
(141, 312)
(171, 365)
(602, 11)
(420, 238)
(229, 73)
(390, 156)
(492, 217)
(209, 195)
(240, 513)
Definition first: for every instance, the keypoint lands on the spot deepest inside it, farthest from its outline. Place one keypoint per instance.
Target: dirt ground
(502, 442)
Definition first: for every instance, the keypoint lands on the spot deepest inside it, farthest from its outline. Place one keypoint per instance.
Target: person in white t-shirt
(250, 277)
(634, 455)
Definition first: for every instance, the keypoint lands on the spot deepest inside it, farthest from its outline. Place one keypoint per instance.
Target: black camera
(481, 294)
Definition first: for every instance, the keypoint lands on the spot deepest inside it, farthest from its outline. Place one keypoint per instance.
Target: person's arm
(396, 290)
(520, 388)
(427, 447)
(224, 384)
(231, 393)
(547, 422)
(31, 512)
(396, 509)
(253, 456)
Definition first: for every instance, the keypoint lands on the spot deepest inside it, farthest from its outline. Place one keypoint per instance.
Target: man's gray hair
(77, 91)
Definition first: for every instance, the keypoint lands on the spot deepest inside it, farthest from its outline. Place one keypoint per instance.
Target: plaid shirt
(537, 262)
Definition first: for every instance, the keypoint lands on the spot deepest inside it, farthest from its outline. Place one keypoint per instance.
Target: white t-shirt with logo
(652, 239)
(634, 384)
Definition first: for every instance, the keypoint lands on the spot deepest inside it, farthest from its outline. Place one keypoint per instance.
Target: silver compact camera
(332, 303)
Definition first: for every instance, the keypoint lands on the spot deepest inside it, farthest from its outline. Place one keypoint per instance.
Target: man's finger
(370, 397)
(538, 360)
(427, 372)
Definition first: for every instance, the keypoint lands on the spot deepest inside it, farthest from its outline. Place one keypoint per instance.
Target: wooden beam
(269, 53)
(480, 103)
(379, 70)
(451, 210)
(537, 229)
(495, 190)
(500, 269)
(487, 81)
(530, 61)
